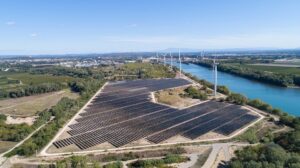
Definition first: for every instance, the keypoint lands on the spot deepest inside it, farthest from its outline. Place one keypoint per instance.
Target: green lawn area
(275, 69)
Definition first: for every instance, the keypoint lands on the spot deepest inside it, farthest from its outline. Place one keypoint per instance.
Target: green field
(6, 83)
(145, 70)
(275, 69)
(9, 80)
(27, 78)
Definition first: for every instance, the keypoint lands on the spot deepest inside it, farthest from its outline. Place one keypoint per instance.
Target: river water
(286, 99)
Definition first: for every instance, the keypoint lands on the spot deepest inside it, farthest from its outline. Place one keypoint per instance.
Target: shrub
(237, 99)
(195, 93)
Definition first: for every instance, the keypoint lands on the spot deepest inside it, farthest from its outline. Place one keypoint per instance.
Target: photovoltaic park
(124, 112)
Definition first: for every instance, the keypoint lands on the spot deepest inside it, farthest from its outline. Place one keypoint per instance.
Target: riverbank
(286, 79)
(283, 98)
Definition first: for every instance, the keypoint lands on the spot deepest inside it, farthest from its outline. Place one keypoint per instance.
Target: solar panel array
(123, 113)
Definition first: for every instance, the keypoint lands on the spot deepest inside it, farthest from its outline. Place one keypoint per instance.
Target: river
(286, 99)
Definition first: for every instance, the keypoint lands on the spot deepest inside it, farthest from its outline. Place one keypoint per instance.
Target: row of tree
(279, 79)
(63, 71)
(276, 151)
(30, 90)
(27, 90)
(168, 159)
(143, 71)
(84, 162)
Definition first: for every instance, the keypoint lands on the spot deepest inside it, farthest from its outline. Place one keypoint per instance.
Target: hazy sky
(85, 26)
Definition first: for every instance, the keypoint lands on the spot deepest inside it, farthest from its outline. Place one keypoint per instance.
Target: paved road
(193, 159)
(213, 155)
(218, 147)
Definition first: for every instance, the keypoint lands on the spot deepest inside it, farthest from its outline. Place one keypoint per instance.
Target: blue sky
(87, 26)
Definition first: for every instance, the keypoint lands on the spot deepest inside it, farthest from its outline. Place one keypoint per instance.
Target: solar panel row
(116, 111)
(108, 120)
(211, 125)
(231, 127)
(110, 106)
(103, 133)
(123, 113)
(177, 130)
(144, 125)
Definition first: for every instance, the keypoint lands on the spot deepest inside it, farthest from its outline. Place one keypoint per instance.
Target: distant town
(93, 60)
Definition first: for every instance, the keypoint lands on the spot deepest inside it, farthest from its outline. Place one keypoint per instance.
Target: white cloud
(33, 34)
(10, 23)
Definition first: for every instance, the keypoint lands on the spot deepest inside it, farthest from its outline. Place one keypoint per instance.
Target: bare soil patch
(29, 106)
(177, 138)
(173, 97)
(20, 120)
(211, 135)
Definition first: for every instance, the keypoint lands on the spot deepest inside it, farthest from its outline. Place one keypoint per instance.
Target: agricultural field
(7, 83)
(5, 145)
(27, 78)
(30, 105)
(275, 69)
(145, 70)
(287, 61)
(20, 84)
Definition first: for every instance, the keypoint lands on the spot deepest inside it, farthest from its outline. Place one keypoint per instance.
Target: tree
(290, 141)
(195, 93)
(274, 153)
(260, 105)
(117, 164)
(223, 89)
(96, 164)
(62, 164)
(78, 162)
(237, 98)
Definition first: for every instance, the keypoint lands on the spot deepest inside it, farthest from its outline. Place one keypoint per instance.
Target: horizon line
(162, 50)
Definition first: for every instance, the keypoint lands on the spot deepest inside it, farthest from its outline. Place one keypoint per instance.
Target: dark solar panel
(236, 124)
(122, 113)
(211, 125)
